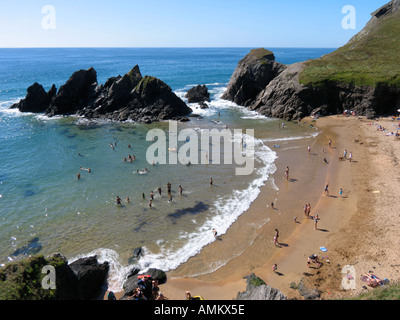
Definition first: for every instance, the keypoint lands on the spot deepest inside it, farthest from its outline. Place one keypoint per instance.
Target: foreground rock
(131, 283)
(257, 289)
(84, 279)
(130, 97)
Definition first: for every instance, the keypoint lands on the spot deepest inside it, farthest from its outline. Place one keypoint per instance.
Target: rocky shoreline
(131, 97)
(274, 90)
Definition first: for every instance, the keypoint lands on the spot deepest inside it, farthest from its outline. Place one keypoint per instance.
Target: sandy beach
(359, 228)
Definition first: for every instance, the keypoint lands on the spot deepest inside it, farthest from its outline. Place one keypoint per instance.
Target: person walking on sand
(287, 173)
(274, 268)
(345, 154)
(330, 143)
(340, 192)
(309, 148)
(326, 191)
(350, 156)
(272, 204)
(276, 237)
(316, 222)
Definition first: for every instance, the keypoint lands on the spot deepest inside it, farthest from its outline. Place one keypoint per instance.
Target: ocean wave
(313, 135)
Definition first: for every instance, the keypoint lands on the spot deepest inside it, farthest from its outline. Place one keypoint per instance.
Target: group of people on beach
(307, 208)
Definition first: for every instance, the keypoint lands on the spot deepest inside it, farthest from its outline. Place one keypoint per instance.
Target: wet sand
(359, 228)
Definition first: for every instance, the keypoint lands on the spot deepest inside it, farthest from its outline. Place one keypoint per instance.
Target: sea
(45, 208)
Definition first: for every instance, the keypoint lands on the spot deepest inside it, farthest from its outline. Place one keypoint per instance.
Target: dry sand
(360, 229)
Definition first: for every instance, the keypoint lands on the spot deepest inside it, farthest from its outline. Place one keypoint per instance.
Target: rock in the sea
(130, 97)
(198, 94)
(33, 246)
(37, 100)
(74, 94)
(253, 73)
(257, 289)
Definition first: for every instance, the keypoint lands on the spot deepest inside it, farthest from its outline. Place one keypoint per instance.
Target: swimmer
(215, 233)
(78, 175)
(151, 200)
(128, 200)
(118, 200)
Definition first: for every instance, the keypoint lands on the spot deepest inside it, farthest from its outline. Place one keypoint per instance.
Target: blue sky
(178, 23)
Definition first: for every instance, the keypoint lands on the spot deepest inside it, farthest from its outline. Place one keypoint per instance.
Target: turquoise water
(42, 199)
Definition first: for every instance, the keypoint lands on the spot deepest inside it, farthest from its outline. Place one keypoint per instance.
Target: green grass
(367, 61)
(23, 280)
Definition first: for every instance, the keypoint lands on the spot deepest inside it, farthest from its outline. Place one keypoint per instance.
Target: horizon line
(177, 47)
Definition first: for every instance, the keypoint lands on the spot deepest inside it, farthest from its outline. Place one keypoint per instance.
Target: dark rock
(257, 289)
(253, 73)
(90, 275)
(73, 94)
(285, 97)
(138, 252)
(36, 100)
(198, 94)
(130, 97)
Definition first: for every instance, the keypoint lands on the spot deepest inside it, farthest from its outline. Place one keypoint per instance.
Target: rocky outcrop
(198, 94)
(257, 289)
(285, 97)
(275, 90)
(37, 99)
(130, 97)
(74, 94)
(253, 73)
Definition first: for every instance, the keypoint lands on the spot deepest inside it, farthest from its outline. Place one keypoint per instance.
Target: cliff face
(362, 76)
(253, 73)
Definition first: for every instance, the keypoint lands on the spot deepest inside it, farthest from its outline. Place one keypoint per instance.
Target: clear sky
(180, 23)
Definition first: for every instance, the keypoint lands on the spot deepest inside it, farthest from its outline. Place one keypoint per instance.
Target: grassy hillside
(366, 60)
